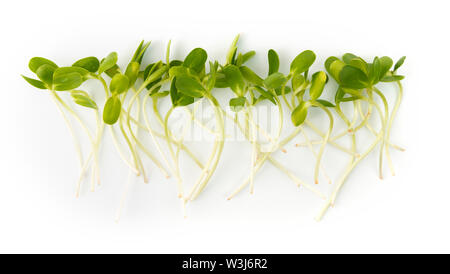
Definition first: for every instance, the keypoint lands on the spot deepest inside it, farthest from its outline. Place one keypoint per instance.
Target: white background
(405, 213)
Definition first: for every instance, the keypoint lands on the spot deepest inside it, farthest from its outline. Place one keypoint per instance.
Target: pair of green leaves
(139, 53)
(177, 97)
(56, 78)
(235, 79)
(193, 64)
(237, 59)
(318, 81)
(195, 60)
(108, 63)
(63, 78)
(354, 73)
(120, 83)
(186, 76)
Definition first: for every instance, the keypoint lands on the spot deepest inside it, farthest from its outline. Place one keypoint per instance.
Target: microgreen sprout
(192, 81)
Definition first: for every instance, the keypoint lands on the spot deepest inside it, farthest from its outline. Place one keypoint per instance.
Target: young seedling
(189, 83)
(67, 79)
(243, 81)
(121, 84)
(354, 76)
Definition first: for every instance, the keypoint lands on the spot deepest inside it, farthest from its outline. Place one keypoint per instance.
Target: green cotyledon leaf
(275, 80)
(274, 61)
(265, 94)
(299, 114)
(325, 103)
(173, 91)
(399, 63)
(374, 71)
(189, 86)
(234, 79)
(45, 74)
(36, 62)
(112, 109)
(196, 60)
(108, 62)
(392, 78)
(232, 51)
(35, 83)
(318, 82)
(132, 72)
(297, 81)
(82, 98)
(119, 83)
(90, 64)
(66, 79)
(302, 62)
(352, 77)
(237, 104)
(334, 68)
(83, 72)
(348, 57)
(247, 56)
(211, 80)
(385, 64)
(251, 76)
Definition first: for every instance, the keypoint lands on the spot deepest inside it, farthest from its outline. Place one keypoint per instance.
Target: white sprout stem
(349, 128)
(172, 153)
(162, 136)
(220, 141)
(171, 139)
(350, 125)
(362, 124)
(321, 134)
(121, 154)
(278, 165)
(391, 120)
(262, 160)
(152, 134)
(94, 172)
(325, 141)
(315, 154)
(371, 130)
(85, 128)
(135, 139)
(99, 139)
(296, 179)
(72, 132)
(193, 118)
(134, 155)
(177, 157)
(252, 136)
(83, 170)
(383, 124)
(265, 156)
(95, 167)
(341, 182)
(76, 116)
